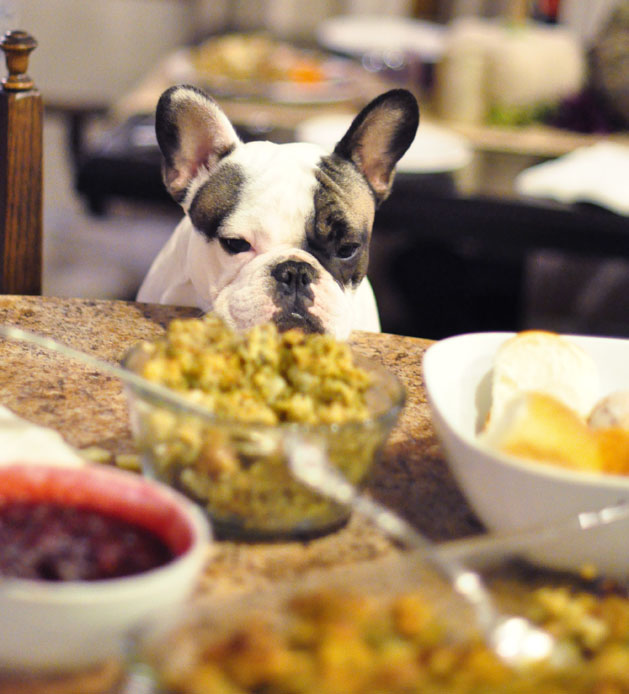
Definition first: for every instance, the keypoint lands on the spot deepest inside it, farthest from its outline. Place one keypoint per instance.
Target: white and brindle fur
(274, 232)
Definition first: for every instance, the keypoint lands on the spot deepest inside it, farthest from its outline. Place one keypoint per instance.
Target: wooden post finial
(17, 46)
(21, 171)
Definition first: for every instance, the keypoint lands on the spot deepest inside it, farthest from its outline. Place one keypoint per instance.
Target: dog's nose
(293, 276)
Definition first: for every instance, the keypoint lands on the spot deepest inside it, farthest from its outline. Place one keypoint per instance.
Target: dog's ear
(379, 136)
(192, 132)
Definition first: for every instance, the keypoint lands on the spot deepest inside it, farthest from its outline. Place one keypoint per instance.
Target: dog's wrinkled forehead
(288, 187)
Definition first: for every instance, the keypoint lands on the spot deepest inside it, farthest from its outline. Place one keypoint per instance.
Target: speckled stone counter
(89, 409)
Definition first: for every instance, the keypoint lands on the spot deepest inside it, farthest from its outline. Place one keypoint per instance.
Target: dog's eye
(347, 250)
(235, 245)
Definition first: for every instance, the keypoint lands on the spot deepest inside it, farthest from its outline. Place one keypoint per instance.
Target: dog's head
(281, 232)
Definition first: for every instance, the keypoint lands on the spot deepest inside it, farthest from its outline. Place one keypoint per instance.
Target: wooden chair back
(21, 171)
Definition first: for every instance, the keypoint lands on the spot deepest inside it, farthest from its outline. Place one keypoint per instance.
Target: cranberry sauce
(51, 542)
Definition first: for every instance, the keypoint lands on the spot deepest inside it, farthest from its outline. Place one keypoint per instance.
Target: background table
(450, 251)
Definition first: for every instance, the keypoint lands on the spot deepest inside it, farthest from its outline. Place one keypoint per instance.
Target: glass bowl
(391, 625)
(239, 472)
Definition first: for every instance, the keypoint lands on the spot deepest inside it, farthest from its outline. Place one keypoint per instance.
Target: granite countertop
(89, 409)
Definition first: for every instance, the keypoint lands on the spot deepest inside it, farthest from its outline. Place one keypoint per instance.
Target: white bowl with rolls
(533, 426)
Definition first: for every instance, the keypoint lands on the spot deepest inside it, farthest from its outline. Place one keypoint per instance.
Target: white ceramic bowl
(509, 494)
(65, 626)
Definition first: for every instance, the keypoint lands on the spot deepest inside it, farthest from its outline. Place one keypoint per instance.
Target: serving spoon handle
(511, 542)
(141, 385)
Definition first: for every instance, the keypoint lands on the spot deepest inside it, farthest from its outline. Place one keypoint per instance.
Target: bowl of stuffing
(252, 392)
(88, 555)
(391, 625)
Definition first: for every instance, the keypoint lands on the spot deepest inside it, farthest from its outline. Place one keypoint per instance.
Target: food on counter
(128, 461)
(262, 386)
(258, 66)
(545, 407)
(51, 542)
(96, 454)
(333, 642)
(536, 360)
(259, 58)
(125, 461)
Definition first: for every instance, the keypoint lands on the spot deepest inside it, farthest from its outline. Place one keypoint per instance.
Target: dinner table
(89, 409)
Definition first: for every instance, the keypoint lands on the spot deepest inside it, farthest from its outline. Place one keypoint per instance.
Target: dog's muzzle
(294, 278)
(294, 295)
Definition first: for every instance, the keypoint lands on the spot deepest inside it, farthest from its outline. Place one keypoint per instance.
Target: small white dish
(510, 494)
(434, 149)
(360, 34)
(67, 626)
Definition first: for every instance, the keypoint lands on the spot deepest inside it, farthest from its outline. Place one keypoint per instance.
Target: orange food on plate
(257, 58)
(306, 71)
(614, 447)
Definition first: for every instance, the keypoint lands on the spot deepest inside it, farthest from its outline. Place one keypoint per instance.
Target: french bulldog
(274, 232)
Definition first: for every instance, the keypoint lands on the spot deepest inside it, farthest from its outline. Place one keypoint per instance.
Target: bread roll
(614, 447)
(537, 426)
(536, 360)
(611, 411)
(610, 422)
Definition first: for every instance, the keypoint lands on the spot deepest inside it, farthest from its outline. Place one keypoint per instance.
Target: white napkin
(598, 174)
(24, 442)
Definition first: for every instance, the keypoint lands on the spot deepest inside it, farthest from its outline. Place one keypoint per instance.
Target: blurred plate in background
(434, 150)
(261, 67)
(340, 81)
(596, 174)
(363, 34)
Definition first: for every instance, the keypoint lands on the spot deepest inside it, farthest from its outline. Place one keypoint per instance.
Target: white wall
(92, 50)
